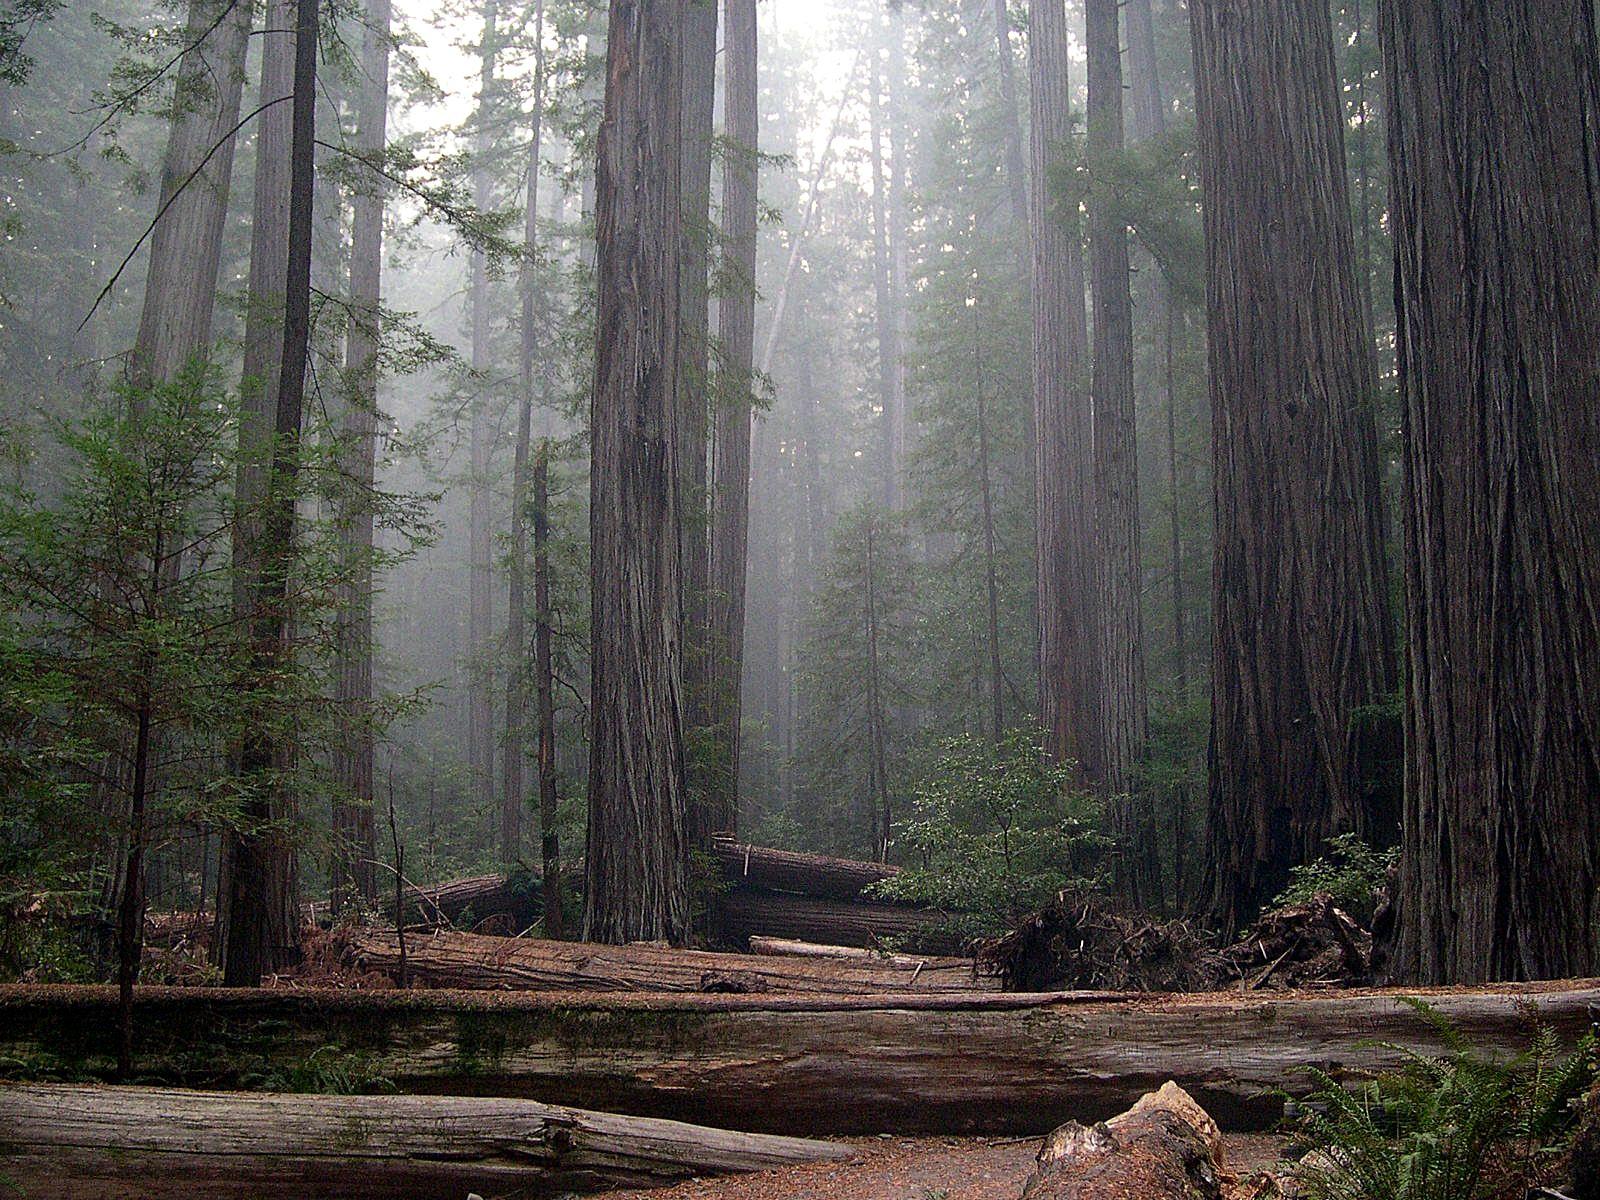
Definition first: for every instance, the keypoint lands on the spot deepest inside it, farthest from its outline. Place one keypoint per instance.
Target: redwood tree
(1069, 678)
(1302, 641)
(637, 845)
(1494, 131)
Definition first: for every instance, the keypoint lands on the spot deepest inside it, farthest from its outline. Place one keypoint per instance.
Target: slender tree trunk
(130, 916)
(991, 579)
(1303, 640)
(876, 717)
(263, 921)
(638, 846)
(694, 402)
(258, 925)
(1494, 135)
(1016, 169)
(736, 323)
(186, 245)
(515, 749)
(1124, 716)
(1069, 651)
(354, 826)
(889, 350)
(480, 533)
(899, 185)
(545, 687)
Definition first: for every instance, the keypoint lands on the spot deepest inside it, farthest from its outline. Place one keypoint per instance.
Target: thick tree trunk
(1303, 639)
(258, 930)
(196, 176)
(480, 530)
(823, 1064)
(730, 498)
(1069, 650)
(461, 960)
(354, 830)
(93, 1143)
(1166, 1147)
(1494, 113)
(694, 395)
(515, 750)
(638, 846)
(1124, 716)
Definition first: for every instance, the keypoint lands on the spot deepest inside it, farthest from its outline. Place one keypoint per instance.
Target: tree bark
(515, 749)
(1493, 119)
(1069, 650)
(480, 531)
(878, 775)
(90, 1143)
(462, 960)
(823, 1064)
(805, 874)
(258, 929)
(545, 687)
(1303, 639)
(751, 912)
(694, 388)
(991, 581)
(638, 846)
(1124, 716)
(354, 829)
(1165, 1147)
(196, 177)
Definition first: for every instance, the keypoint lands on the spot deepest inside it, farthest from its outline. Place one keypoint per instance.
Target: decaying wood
(982, 1063)
(459, 960)
(95, 1143)
(748, 912)
(1166, 1147)
(789, 948)
(481, 898)
(804, 874)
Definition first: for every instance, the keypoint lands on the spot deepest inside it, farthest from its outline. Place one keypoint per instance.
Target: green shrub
(1352, 872)
(1462, 1125)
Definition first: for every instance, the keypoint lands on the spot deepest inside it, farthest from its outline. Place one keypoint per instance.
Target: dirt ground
(927, 1169)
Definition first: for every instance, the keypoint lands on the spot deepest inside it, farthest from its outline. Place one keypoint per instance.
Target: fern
(1459, 1125)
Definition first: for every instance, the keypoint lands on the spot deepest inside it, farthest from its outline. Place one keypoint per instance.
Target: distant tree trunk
(1016, 169)
(480, 532)
(1494, 135)
(694, 404)
(889, 349)
(130, 916)
(260, 926)
(515, 748)
(186, 245)
(1069, 650)
(1124, 717)
(545, 688)
(736, 323)
(354, 829)
(1302, 637)
(899, 185)
(991, 578)
(637, 847)
(878, 781)
(1149, 120)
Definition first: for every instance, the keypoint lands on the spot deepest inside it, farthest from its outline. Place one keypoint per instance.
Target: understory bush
(1351, 871)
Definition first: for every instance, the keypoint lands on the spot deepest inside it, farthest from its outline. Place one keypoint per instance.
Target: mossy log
(980, 1063)
(132, 1143)
(459, 960)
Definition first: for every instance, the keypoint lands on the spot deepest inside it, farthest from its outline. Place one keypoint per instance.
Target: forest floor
(936, 1169)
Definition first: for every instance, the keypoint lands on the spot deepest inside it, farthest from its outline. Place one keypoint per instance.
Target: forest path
(928, 1169)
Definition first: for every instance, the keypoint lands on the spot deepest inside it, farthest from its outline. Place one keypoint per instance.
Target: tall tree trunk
(899, 185)
(354, 827)
(260, 926)
(637, 847)
(736, 323)
(694, 402)
(1069, 651)
(545, 688)
(1016, 169)
(991, 576)
(878, 771)
(1124, 716)
(480, 532)
(1494, 133)
(196, 177)
(515, 749)
(1302, 639)
(889, 349)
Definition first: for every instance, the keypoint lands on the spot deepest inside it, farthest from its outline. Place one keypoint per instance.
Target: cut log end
(1166, 1147)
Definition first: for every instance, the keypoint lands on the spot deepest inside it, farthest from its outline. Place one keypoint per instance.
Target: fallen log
(507, 902)
(771, 947)
(983, 1063)
(749, 912)
(460, 960)
(1165, 1147)
(95, 1143)
(803, 874)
